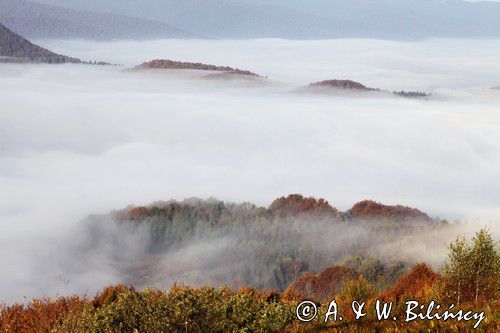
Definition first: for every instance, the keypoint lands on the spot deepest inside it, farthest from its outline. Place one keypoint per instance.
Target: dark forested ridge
(14, 48)
(35, 20)
(313, 19)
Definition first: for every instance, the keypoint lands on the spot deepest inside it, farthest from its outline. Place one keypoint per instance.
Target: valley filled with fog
(77, 140)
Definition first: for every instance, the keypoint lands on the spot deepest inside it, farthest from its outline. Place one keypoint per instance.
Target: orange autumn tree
(371, 210)
(296, 204)
(322, 287)
(418, 284)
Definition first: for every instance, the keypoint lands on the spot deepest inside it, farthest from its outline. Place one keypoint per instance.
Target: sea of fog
(79, 139)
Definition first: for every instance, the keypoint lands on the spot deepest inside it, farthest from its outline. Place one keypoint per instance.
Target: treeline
(293, 205)
(209, 241)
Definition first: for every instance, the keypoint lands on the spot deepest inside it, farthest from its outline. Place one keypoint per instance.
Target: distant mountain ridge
(215, 18)
(41, 21)
(313, 19)
(14, 48)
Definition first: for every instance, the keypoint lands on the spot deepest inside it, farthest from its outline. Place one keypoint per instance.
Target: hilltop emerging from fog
(247, 245)
(353, 86)
(218, 72)
(291, 205)
(341, 84)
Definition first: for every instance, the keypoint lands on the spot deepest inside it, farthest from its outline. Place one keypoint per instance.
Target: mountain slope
(14, 48)
(35, 20)
(394, 19)
(400, 18)
(218, 18)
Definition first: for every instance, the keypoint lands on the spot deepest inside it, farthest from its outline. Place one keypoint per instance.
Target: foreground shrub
(39, 315)
(184, 309)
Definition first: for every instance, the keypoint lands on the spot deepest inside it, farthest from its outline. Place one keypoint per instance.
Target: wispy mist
(266, 254)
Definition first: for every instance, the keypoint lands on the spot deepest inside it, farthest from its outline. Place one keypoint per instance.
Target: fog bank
(77, 140)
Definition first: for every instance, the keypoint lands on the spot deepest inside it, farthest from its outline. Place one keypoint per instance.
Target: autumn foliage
(138, 213)
(119, 309)
(417, 284)
(371, 210)
(296, 204)
(39, 315)
(321, 287)
(210, 309)
(283, 259)
(291, 205)
(109, 295)
(179, 65)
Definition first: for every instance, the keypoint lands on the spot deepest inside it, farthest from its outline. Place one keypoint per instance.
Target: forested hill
(216, 253)
(292, 205)
(210, 241)
(14, 48)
